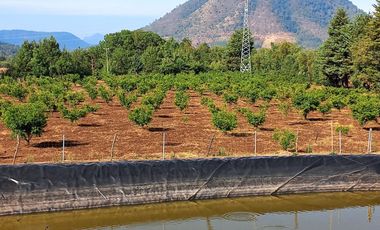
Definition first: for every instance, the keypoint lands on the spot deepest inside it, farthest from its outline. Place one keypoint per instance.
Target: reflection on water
(335, 211)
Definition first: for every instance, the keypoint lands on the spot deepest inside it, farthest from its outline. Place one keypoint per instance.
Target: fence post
(332, 137)
(163, 145)
(297, 141)
(370, 141)
(255, 143)
(340, 141)
(113, 146)
(16, 151)
(63, 147)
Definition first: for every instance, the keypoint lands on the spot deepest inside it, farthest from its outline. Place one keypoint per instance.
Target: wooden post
(163, 145)
(63, 147)
(255, 143)
(113, 146)
(16, 151)
(210, 145)
(340, 141)
(297, 141)
(332, 137)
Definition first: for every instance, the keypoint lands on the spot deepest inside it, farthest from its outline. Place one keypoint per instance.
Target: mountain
(213, 21)
(7, 50)
(65, 40)
(94, 39)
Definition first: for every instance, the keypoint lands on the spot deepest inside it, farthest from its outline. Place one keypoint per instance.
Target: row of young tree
(350, 56)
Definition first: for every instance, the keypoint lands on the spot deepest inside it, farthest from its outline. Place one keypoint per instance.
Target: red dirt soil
(188, 135)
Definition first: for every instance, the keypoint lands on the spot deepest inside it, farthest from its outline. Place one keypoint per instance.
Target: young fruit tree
(224, 121)
(141, 116)
(182, 100)
(25, 120)
(286, 138)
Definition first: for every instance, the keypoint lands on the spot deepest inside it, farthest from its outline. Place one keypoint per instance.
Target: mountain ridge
(66, 40)
(214, 21)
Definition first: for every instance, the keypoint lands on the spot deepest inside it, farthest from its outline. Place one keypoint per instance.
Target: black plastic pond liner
(41, 188)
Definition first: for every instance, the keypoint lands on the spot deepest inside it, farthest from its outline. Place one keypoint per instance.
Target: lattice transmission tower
(246, 66)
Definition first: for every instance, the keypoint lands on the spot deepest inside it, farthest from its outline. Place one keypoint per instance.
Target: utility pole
(107, 61)
(246, 66)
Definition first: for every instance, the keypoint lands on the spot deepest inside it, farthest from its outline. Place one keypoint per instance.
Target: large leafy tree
(45, 56)
(21, 65)
(366, 54)
(25, 120)
(336, 58)
(234, 46)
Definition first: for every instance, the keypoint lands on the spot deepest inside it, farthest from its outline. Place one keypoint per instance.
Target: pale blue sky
(86, 17)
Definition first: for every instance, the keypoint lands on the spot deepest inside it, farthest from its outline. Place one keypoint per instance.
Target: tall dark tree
(234, 50)
(21, 63)
(45, 56)
(336, 58)
(366, 54)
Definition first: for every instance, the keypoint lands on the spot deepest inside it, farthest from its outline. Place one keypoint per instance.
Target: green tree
(21, 63)
(234, 50)
(286, 138)
(366, 53)
(336, 58)
(25, 120)
(224, 120)
(45, 56)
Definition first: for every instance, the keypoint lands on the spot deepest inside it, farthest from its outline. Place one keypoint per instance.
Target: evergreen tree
(336, 58)
(234, 50)
(366, 54)
(21, 63)
(45, 56)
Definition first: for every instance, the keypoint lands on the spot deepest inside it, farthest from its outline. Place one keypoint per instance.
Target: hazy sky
(86, 17)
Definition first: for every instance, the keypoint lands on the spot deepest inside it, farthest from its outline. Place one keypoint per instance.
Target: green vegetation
(141, 116)
(182, 100)
(286, 138)
(224, 120)
(25, 120)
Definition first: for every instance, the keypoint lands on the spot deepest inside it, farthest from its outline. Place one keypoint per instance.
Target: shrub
(105, 94)
(224, 121)
(285, 107)
(182, 100)
(73, 98)
(142, 116)
(74, 114)
(230, 98)
(25, 120)
(255, 119)
(92, 91)
(306, 102)
(286, 138)
(325, 108)
(344, 130)
(338, 102)
(366, 109)
(127, 101)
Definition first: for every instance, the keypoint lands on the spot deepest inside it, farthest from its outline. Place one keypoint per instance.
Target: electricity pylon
(246, 66)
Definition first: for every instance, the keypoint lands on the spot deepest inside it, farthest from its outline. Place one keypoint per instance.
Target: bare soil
(188, 135)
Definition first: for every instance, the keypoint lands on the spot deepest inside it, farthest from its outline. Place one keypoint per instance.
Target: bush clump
(286, 138)
(224, 121)
(25, 120)
(142, 116)
(182, 100)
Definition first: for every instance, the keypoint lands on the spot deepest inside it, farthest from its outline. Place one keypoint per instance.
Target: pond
(335, 211)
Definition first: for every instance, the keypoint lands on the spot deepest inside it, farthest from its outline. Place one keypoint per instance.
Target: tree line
(349, 57)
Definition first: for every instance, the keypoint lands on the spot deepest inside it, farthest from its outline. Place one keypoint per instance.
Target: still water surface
(335, 211)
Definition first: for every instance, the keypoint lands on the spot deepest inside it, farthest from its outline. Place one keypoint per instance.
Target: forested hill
(213, 21)
(65, 40)
(7, 50)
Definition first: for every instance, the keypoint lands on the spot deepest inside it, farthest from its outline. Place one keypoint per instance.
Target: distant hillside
(213, 21)
(7, 50)
(65, 40)
(94, 39)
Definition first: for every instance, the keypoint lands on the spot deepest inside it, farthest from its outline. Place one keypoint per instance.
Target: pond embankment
(46, 187)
